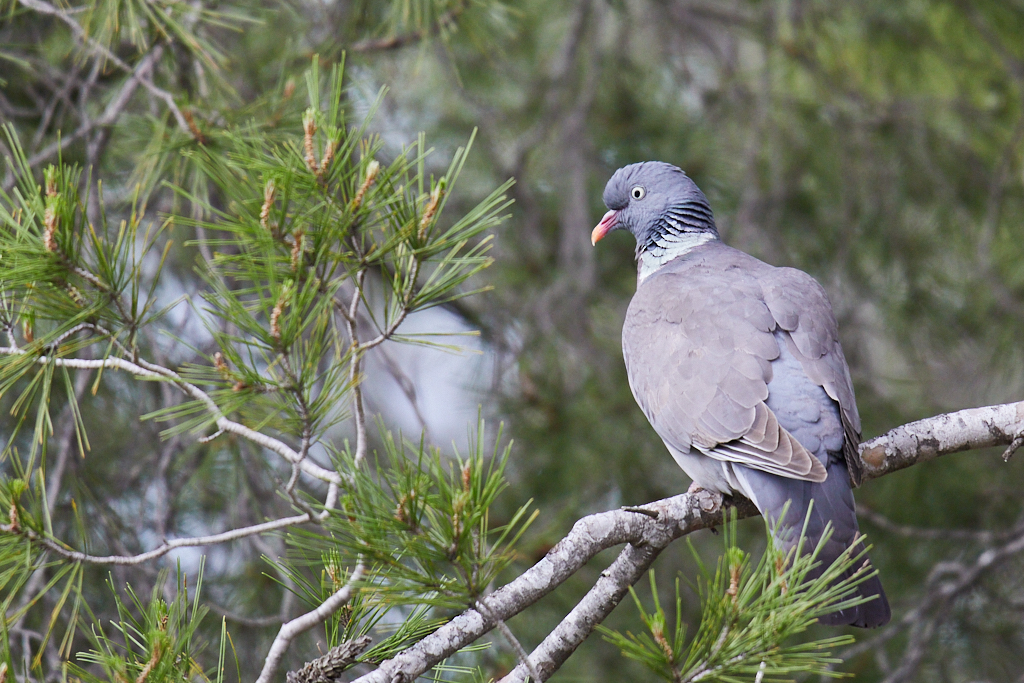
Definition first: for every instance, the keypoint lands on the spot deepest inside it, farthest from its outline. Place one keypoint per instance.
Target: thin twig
(144, 369)
(159, 551)
(510, 638)
(353, 377)
(110, 114)
(653, 514)
(97, 48)
(403, 39)
(1017, 442)
(980, 536)
(307, 621)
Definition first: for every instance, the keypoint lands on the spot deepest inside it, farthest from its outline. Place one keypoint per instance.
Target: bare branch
(979, 536)
(510, 638)
(351, 317)
(163, 549)
(927, 439)
(947, 581)
(110, 114)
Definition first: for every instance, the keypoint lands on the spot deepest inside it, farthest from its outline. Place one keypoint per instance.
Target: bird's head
(656, 202)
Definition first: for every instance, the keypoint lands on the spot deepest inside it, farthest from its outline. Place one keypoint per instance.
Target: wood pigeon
(737, 365)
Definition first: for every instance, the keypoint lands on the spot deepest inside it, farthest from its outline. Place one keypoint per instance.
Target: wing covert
(698, 344)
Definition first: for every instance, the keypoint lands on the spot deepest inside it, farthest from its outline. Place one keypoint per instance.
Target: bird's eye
(637, 192)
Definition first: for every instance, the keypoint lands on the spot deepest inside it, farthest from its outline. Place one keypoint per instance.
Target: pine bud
(401, 514)
(275, 315)
(220, 363)
(328, 157)
(297, 249)
(658, 632)
(372, 169)
(15, 524)
(50, 221)
(269, 190)
(193, 128)
(154, 659)
(309, 130)
(734, 582)
(780, 570)
(50, 228)
(428, 213)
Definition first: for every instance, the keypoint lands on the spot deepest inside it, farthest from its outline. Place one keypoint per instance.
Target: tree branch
(931, 437)
(148, 370)
(631, 564)
(101, 51)
(112, 112)
(401, 40)
(307, 621)
(163, 549)
(678, 516)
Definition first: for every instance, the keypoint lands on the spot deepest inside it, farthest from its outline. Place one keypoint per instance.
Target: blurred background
(877, 145)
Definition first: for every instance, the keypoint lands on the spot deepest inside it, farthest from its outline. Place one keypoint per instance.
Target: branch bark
(646, 536)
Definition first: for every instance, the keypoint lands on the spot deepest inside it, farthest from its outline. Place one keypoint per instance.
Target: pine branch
(148, 370)
(307, 621)
(677, 516)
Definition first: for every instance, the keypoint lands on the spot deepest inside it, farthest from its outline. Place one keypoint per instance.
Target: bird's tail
(785, 503)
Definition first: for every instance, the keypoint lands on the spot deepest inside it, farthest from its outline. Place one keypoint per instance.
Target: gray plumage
(737, 365)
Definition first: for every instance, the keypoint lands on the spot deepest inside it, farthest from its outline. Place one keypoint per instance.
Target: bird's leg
(694, 488)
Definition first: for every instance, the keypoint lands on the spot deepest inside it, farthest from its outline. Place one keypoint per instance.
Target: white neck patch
(668, 248)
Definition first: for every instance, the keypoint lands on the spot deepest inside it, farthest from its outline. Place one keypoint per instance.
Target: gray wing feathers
(699, 344)
(802, 308)
(765, 445)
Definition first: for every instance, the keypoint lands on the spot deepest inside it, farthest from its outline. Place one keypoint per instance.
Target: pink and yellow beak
(608, 223)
